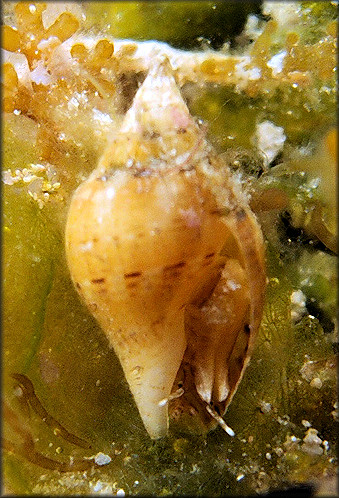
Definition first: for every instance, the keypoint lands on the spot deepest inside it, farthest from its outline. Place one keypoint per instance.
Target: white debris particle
(268, 456)
(195, 469)
(121, 492)
(265, 407)
(38, 167)
(279, 451)
(244, 72)
(240, 477)
(40, 75)
(326, 445)
(104, 118)
(285, 13)
(291, 443)
(282, 421)
(73, 103)
(252, 27)
(102, 459)
(98, 486)
(307, 370)
(276, 62)
(316, 382)
(298, 305)
(254, 73)
(7, 177)
(28, 178)
(37, 178)
(311, 443)
(335, 412)
(314, 183)
(269, 139)
(306, 423)
(18, 392)
(102, 488)
(182, 158)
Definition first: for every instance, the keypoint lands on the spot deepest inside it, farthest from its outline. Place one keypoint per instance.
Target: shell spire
(158, 106)
(158, 130)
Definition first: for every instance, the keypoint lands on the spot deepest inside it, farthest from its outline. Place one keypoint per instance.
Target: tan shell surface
(168, 257)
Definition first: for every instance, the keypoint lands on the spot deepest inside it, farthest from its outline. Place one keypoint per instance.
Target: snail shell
(151, 238)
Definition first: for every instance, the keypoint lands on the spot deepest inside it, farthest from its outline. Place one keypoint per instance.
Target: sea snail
(165, 252)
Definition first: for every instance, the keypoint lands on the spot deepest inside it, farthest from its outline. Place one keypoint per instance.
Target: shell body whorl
(150, 255)
(161, 234)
